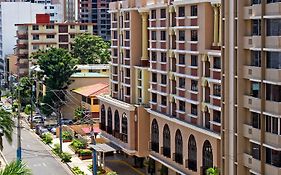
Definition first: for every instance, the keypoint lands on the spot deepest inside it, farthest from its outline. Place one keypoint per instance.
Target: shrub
(47, 138)
(85, 152)
(56, 149)
(65, 157)
(76, 170)
(111, 173)
(66, 135)
(78, 144)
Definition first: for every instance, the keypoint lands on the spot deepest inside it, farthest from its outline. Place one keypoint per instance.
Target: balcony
(252, 72)
(251, 132)
(252, 102)
(252, 42)
(273, 107)
(252, 11)
(272, 170)
(273, 75)
(272, 139)
(273, 9)
(252, 163)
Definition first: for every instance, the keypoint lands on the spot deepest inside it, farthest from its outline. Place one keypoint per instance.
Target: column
(220, 25)
(144, 16)
(216, 24)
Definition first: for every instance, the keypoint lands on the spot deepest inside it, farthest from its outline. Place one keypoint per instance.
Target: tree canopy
(90, 49)
(7, 126)
(57, 65)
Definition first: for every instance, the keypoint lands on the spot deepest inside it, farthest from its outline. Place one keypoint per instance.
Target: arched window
(154, 136)
(207, 155)
(124, 128)
(178, 147)
(192, 153)
(109, 121)
(166, 141)
(116, 124)
(102, 117)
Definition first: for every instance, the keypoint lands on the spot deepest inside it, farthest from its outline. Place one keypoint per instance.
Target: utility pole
(60, 116)
(19, 125)
(31, 103)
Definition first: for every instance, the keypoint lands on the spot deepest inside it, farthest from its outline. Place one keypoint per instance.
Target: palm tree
(210, 171)
(16, 168)
(6, 126)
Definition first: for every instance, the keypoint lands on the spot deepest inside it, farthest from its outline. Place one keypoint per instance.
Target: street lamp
(58, 112)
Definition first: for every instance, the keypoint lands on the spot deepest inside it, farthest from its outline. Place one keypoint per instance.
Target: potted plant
(85, 154)
(76, 145)
(66, 136)
(212, 171)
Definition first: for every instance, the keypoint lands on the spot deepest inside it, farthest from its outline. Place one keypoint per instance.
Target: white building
(55, 9)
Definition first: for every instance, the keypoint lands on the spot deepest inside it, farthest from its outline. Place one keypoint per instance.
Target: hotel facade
(165, 97)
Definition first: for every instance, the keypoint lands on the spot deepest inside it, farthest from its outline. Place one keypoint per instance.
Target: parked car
(66, 121)
(52, 128)
(40, 130)
(38, 119)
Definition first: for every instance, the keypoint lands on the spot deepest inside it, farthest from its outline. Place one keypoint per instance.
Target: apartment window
(273, 1)
(127, 34)
(128, 73)
(114, 34)
(181, 105)
(163, 100)
(181, 82)
(256, 2)
(154, 97)
(271, 124)
(35, 27)
(194, 60)
(273, 92)
(273, 27)
(128, 90)
(216, 116)
(163, 57)
(182, 35)
(217, 62)
(163, 13)
(256, 27)
(153, 56)
(217, 90)
(127, 16)
(83, 27)
(255, 89)
(163, 35)
(256, 151)
(256, 58)
(182, 59)
(193, 10)
(127, 53)
(256, 120)
(153, 14)
(52, 7)
(72, 26)
(116, 87)
(50, 26)
(153, 35)
(273, 157)
(194, 85)
(163, 79)
(182, 11)
(273, 60)
(194, 35)
(72, 35)
(154, 77)
(35, 37)
(35, 47)
(193, 109)
(50, 36)
(95, 101)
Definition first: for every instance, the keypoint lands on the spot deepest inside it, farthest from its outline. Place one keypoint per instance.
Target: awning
(102, 148)
(87, 130)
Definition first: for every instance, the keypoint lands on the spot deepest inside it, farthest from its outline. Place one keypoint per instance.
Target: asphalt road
(35, 154)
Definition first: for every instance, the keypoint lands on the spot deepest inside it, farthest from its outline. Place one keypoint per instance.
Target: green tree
(16, 168)
(213, 171)
(90, 49)
(57, 65)
(6, 125)
(78, 113)
(24, 87)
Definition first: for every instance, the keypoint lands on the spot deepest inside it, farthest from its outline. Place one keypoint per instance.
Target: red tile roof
(93, 90)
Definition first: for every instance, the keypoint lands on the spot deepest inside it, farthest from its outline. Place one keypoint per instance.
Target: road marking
(44, 164)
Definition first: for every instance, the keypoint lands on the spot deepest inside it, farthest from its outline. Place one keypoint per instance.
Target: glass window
(217, 116)
(83, 27)
(35, 27)
(217, 62)
(256, 27)
(256, 151)
(193, 109)
(154, 97)
(163, 100)
(256, 2)
(127, 15)
(163, 35)
(255, 120)
(127, 34)
(256, 58)
(194, 60)
(153, 35)
(273, 60)
(182, 11)
(181, 82)
(217, 90)
(163, 13)
(35, 37)
(153, 14)
(255, 89)
(163, 79)
(153, 56)
(273, 27)
(194, 85)
(181, 105)
(194, 35)
(273, 157)
(273, 92)
(271, 124)
(163, 57)
(50, 26)
(50, 36)
(273, 1)
(182, 35)
(154, 77)
(193, 10)
(181, 59)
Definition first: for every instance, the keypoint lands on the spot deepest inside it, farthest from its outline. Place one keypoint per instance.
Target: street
(35, 154)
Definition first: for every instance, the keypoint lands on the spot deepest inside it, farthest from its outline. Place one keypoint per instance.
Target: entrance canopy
(104, 148)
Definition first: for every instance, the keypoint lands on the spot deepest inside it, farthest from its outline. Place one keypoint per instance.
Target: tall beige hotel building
(195, 84)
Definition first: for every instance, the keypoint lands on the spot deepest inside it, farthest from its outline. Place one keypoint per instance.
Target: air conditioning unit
(250, 131)
(250, 160)
(250, 101)
(250, 41)
(250, 11)
(250, 71)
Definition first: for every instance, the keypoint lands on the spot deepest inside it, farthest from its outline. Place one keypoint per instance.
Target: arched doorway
(109, 121)
(116, 124)
(207, 156)
(178, 147)
(155, 136)
(166, 141)
(124, 128)
(102, 117)
(192, 153)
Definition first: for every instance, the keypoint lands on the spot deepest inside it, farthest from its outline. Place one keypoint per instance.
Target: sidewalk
(3, 161)
(75, 161)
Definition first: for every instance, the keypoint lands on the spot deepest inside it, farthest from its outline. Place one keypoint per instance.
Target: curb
(3, 157)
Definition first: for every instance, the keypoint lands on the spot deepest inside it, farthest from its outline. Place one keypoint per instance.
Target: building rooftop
(93, 90)
(89, 75)
(93, 66)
